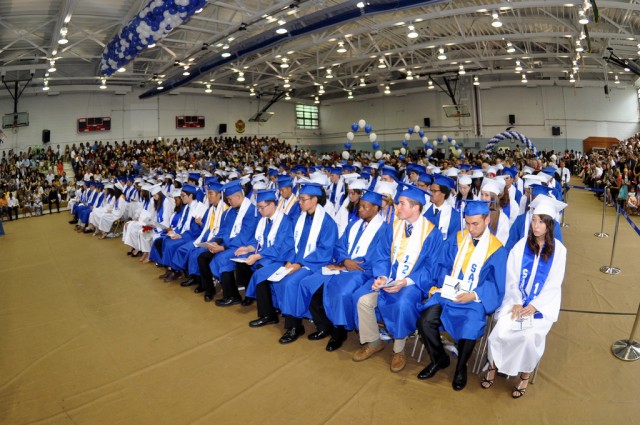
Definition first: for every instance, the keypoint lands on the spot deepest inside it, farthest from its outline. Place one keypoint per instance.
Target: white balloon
(373, 137)
(345, 155)
(403, 151)
(416, 128)
(435, 143)
(445, 138)
(362, 123)
(429, 152)
(378, 154)
(425, 140)
(407, 136)
(350, 136)
(453, 142)
(459, 151)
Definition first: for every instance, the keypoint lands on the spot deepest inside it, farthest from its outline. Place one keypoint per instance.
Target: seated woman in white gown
(535, 270)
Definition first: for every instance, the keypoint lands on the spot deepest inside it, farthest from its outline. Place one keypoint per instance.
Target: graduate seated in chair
(471, 276)
(535, 270)
(406, 279)
(441, 213)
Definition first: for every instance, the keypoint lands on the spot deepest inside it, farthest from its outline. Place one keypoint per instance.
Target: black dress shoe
(226, 302)
(430, 371)
(74, 221)
(189, 282)
(264, 321)
(199, 289)
(208, 297)
(460, 379)
(247, 301)
(319, 335)
(335, 343)
(291, 335)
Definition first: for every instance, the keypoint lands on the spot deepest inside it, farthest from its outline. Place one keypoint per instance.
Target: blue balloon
(410, 130)
(401, 157)
(354, 127)
(376, 145)
(368, 128)
(421, 133)
(347, 146)
(405, 143)
(461, 156)
(439, 139)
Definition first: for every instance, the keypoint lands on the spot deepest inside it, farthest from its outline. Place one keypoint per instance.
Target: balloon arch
(511, 135)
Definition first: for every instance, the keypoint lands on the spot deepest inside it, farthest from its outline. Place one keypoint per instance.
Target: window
(307, 117)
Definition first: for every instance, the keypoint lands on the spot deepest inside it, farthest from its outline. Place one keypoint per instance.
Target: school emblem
(240, 126)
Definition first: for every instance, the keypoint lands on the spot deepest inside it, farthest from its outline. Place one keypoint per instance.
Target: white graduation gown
(520, 351)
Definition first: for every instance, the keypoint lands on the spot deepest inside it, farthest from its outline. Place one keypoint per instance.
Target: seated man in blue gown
(359, 255)
(441, 213)
(471, 274)
(405, 281)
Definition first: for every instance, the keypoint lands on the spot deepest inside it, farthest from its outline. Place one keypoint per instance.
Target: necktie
(475, 242)
(409, 229)
(436, 211)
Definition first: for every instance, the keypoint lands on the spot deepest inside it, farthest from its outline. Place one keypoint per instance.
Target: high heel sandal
(518, 392)
(486, 383)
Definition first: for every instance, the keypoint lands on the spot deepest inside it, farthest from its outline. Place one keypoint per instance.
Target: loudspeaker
(606, 89)
(46, 136)
(222, 129)
(555, 131)
(512, 119)
(427, 122)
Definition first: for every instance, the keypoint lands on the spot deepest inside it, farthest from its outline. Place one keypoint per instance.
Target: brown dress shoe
(366, 351)
(398, 362)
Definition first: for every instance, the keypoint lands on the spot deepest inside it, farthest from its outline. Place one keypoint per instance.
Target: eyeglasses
(304, 199)
(263, 208)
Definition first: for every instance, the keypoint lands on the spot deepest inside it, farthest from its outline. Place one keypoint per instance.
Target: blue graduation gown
(339, 289)
(287, 294)
(221, 261)
(454, 221)
(182, 254)
(399, 311)
(516, 232)
(468, 320)
(155, 255)
(273, 257)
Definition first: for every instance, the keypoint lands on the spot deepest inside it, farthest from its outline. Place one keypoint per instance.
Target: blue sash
(542, 272)
(507, 210)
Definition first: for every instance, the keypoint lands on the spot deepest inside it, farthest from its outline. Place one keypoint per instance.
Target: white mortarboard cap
(108, 186)
(451, 172)
(155, 189)
(245, 179)
(491, 185)
(477, 174)
(491, 170)
(386, 188)
(359, 184)
(146, 187)
(464, 179)
(374, 165)
(546, 205)
(499, 166)
(357, 165)
(176, 193)
(537, 178)
(233, 175)
(527, 170)
(320, 178)
(350, 176)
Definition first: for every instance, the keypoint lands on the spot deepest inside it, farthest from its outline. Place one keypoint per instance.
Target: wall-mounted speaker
(555, 131)
(46, 136)
(222, 129)
(512, 119)
(427, 122)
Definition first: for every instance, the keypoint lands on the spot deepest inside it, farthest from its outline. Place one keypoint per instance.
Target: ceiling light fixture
(286, 84)
(103, 84)
(409, 75)
(387, 90)
(381, 63)
(362, 83)
(317, 100)
(510, 48)
(582, 17)
(495, 22)
(518, 67)
(122, 69)
(350, 95)
(579, 47)
(571, 78)
(360, 5)
(208, 89)
(412, 32)
(341, 48)
(329, 73)
(225, 54)
(152, 45)
(52, 66)
(240, 77)
(461, 71)
(321, 89)
(524, 79)
(430, 86)
(63, 36)
(441, 54)
(616, 81)
(284, 63)
(476, 82)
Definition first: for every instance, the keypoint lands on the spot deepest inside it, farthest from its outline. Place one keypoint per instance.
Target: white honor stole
(271, 237)
(237, 225)
(365, 239)
(407, 250)
(285, 205)
(445, 219)
(316, 225)
(474, 265)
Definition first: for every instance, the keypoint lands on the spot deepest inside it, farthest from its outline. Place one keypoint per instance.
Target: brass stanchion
(610, 269)
(564, 212)
(604, 205)
(628, 349)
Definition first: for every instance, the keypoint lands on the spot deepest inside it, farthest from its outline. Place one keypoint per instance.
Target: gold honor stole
(406, 250)
(494, 245)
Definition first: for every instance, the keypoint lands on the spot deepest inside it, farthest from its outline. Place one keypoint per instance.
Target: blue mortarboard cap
(465, 167)
(367, 169)
(130, 178)
(365, 175)
(232, 187)
(414, 192)
(417, 168)
(549, 170)
(273, 172)
(335, 170)
(389, 171)
(348, 168)
(313, 189)
(194, 176)
(122, 178)
(539, 189)
(373, 197)
(510, 171)
(425, 178)
(444, 181)
(266, 195)
(285, 181)
(189, 188)
(476, 208)
(212, 183)
(476, 167)
(301, 169)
